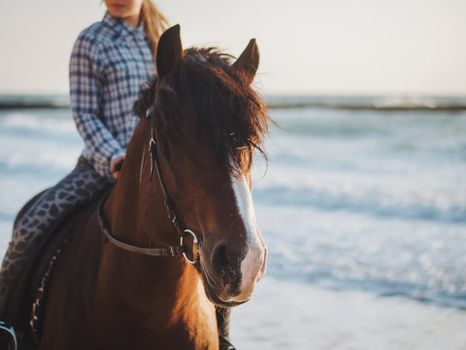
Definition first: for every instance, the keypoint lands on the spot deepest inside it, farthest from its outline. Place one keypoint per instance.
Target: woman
(109, 61)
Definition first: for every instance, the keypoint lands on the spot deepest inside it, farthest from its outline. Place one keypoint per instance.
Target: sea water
(361, 205)
(368, 200)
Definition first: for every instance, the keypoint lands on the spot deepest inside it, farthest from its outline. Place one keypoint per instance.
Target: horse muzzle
(230, 281)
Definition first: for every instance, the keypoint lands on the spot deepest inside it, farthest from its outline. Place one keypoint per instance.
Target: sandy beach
(289, 315)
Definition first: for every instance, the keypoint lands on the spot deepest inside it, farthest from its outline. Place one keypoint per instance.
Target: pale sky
(307, 46)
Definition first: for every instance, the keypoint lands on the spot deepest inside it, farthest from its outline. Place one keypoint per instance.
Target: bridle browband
(168, 203)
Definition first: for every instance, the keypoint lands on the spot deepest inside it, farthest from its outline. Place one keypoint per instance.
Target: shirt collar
(122, 28)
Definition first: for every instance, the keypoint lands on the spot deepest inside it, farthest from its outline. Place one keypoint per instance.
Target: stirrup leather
(225, 343)
(4, 328)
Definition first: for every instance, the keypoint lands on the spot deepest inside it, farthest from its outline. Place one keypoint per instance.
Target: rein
(172, 251)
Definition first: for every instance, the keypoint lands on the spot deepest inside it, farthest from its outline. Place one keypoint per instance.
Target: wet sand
(287, 315)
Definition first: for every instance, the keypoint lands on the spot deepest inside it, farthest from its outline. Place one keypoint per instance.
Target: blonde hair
(154, 23)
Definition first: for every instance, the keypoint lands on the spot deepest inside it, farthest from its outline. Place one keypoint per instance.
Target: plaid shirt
(109, 62)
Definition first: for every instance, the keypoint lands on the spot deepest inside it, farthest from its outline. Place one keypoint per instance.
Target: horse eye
(237, 143)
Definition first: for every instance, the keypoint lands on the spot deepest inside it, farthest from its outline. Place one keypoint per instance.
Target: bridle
(169, 205)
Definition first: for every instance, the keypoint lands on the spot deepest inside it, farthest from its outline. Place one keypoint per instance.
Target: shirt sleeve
(85, 96)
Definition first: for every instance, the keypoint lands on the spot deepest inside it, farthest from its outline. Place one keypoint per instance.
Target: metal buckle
(152, 143)
(152, 149)
(11, 332)
(195, 247)
(150, 111)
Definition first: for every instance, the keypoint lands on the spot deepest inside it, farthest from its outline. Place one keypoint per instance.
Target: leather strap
(169, 251)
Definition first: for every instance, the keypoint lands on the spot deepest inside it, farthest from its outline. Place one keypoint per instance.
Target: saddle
(33, 293)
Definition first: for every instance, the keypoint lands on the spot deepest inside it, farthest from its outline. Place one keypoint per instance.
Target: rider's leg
(29, 233)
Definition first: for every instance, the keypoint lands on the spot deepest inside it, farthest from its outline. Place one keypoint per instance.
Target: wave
(55, 121)
(389, 102)
(427, 289)
(379, 286)
(380, 103)
(371, 204)
(21, 101)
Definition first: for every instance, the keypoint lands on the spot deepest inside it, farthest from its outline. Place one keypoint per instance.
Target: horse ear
(169, 51)
(248, 61)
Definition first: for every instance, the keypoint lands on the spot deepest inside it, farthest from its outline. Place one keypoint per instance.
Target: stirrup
(4, 328)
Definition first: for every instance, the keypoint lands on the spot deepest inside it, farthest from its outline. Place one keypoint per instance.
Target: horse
(146, 265)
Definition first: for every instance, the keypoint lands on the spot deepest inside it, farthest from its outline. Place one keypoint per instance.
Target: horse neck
(134, 221)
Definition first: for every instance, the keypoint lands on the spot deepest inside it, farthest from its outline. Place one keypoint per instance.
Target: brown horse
(191, 153)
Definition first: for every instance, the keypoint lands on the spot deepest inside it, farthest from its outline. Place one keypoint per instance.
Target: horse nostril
(220, 259)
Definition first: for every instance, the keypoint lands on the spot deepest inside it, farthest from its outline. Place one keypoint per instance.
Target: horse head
(207, 123)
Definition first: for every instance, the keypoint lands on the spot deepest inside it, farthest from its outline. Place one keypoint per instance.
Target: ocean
(363, 210)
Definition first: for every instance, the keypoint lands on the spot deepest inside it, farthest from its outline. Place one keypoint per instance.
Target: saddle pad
(34, 292)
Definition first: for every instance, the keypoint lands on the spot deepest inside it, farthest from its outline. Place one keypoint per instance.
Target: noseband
(168, 203)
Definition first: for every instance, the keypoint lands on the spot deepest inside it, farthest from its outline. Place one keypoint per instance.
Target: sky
(354, 47)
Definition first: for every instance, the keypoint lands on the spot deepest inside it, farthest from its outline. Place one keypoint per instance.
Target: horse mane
(208, 97)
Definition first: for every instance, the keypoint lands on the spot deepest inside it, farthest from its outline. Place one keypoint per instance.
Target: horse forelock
(207, 98)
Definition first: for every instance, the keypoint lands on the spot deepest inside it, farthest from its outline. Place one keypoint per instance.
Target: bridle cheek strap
(167, 202)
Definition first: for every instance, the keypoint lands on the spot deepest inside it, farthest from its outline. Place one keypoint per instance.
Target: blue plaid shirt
(109, 62)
